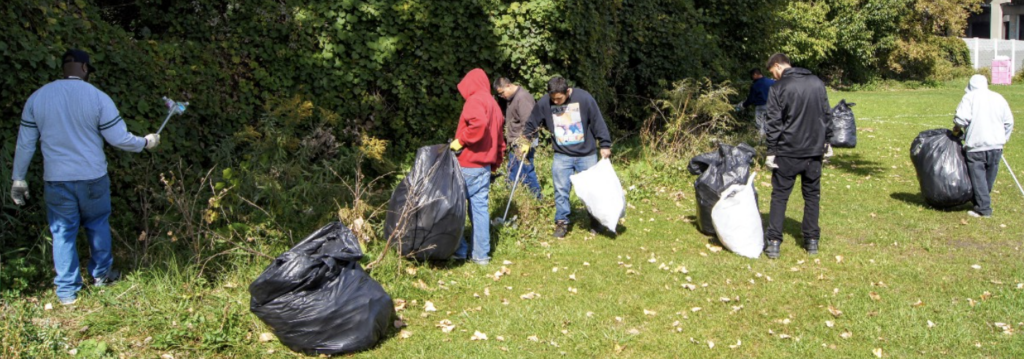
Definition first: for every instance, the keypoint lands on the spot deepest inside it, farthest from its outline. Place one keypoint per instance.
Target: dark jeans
(528, 176)
(783, 178)
(983, 166)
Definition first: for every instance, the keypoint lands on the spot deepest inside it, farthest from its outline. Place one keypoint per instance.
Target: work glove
(828, 150)
(456, 145)
(523, 150)
(606, 152)
(19, 192)
(770, 162)
(152, 140)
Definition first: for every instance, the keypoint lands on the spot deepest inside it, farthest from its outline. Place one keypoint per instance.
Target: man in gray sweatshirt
(988, 122)
(70, 119)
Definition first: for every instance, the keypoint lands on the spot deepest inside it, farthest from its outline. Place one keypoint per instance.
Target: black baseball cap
(79, 56)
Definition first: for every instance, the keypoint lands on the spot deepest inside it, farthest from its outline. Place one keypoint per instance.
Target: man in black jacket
(798, 134)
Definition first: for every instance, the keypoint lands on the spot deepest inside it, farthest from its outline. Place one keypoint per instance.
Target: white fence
(983, 51)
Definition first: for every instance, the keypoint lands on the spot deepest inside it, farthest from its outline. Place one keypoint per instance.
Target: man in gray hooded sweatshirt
(988, 122)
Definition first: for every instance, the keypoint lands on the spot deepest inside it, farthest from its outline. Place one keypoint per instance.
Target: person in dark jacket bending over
(758, 98)
(572, 116)
(480, 146)
(797, 135)
(520, 105)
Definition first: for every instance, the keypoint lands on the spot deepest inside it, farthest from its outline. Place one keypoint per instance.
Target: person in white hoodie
(986, 118)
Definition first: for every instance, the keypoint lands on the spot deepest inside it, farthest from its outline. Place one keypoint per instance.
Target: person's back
(986, 115)
(799, 115)
(988, 122)
(70, 115)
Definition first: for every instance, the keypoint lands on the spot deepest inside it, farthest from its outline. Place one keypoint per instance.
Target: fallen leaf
(695, 309)
(829, 323)
(737, 345)
(618, 348)
(499, 338)
(618, 319)
(918, 303)
(963, 222)
(689, 286)
(846, 335)
(404, 334)
(477, 335)
(429, 307)
(166, 356)
(410, 270)
(554, 269)
(986, 295)
(971, 301)
(399, 305)
(633, 331)
(681, 269)
(48, 306)
(713, 249)
(266, 337)
(586, 264)
(650, 312)
(784, 336)
(487, 292)
(507, 262)
(835, 312)
(420, 285)
(533, 338)
(711, 344)
(572, 276)
(930, 324)
(877, 352)
(724, 299)
(572, 290)
(445, 325)
(975, 266)
(530, 295)
(874, 296)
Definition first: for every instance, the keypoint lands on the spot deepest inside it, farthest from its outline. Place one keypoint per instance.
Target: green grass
(915, 261)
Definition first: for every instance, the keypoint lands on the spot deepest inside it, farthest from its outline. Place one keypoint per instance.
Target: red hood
(475, 82)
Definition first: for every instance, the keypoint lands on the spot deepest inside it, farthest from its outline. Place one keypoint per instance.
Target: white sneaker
(977, 215)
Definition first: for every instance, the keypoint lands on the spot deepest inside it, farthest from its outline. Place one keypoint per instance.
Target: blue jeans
(563, 167)
(478, 185)
(528, 177)
(74, 204)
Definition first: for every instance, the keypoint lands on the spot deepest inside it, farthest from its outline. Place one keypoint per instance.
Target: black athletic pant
(783, 178)
(983, 166)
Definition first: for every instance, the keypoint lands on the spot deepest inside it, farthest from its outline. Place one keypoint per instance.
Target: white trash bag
(737, 220)
(600, 190)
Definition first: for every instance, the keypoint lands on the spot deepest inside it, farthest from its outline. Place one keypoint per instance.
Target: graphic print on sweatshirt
(568, 124)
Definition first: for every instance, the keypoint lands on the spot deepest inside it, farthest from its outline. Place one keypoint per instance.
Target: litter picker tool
(173, 108)
(519, 175)
(1013, 175)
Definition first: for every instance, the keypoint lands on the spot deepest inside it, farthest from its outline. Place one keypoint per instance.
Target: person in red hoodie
(479, 138)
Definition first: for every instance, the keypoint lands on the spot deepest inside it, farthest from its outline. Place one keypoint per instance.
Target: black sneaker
(811, 245)
(771, 249)
(561, 228)
(112, 276)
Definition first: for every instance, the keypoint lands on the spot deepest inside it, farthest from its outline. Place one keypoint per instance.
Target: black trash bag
(938, 157)
(317, 298)
(844, 127)
(718, 170)
(433, 196)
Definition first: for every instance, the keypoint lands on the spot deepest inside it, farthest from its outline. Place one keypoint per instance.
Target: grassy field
(894, 278)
